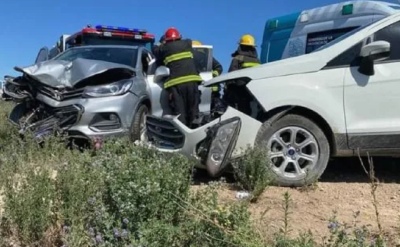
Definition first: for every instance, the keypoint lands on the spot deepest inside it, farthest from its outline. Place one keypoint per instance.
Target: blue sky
(28, 25)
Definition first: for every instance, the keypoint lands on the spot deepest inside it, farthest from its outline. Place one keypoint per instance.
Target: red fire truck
(99, 35)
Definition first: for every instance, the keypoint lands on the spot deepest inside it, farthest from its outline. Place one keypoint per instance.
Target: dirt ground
(344, 188)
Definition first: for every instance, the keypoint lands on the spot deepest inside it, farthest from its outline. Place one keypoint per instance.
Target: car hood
(76, 73)
(289, 66)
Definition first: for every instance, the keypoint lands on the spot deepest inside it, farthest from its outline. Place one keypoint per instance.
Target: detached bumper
(212, 145)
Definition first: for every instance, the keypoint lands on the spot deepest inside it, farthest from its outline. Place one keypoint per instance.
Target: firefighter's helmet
(247, 40)
(196, 42)
(172, 34)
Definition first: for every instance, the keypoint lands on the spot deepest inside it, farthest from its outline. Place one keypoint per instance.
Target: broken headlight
(224, 136)
(113, 89)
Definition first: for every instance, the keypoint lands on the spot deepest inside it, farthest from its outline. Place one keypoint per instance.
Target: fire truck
(99, 35)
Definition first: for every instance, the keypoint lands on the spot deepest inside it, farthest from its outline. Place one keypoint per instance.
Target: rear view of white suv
(332, 102)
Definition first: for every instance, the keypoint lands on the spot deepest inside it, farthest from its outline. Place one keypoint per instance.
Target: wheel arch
(146, 101)
(142, 100)
(278, 112)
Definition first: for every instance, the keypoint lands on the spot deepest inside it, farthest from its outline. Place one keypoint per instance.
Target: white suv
(339, 99)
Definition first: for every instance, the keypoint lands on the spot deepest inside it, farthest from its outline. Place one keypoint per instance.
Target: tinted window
(348, 57)
(318, 39)
(53, 52)
(351, 57)
(390, 34)
(201, 57)
(148, 63)
(42, 55)
(115, 55)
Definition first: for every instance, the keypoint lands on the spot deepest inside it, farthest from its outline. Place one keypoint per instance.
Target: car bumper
(168, 134)
(99, 117)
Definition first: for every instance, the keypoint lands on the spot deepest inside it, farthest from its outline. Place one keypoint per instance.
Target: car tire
(301, 160)
(138, 123)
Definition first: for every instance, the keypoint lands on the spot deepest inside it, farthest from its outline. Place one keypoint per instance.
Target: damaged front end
(212, 145)
(49, 95)
(32, 115)
(43, 120)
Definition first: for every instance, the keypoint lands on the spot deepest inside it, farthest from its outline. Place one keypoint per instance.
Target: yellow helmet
(247, 39)
(196, 42)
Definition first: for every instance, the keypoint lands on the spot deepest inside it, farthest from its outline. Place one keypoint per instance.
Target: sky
(28, 25)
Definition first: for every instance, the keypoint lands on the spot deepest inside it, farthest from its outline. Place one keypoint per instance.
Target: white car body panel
(321, 95)
(378, 94)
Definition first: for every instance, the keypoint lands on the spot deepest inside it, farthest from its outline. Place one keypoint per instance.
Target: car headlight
(224, 139)
(113, 89)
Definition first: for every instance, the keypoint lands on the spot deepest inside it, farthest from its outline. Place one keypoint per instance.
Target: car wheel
(298, 150)
(138, 125)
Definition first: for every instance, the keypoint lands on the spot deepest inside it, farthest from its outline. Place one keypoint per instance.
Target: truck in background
(99, 35)
(305, 31)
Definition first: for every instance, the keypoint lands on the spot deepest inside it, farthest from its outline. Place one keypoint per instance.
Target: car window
(126, 56)
(43, 55)
(148, 63)
(390, 34)
(201, 57)
(53, 52)
(347, 58)
(351, 57)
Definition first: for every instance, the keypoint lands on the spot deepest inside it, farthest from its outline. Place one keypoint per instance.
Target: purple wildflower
(99, 239)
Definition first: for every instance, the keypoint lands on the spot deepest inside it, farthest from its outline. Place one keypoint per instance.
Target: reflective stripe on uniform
(215, 73)
(249, 64)
(178, 56)
(214, 88)
(182, 79)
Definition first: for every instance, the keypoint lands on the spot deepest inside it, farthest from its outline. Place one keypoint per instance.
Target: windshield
(114, 40)
(340, 38)
(126, 56)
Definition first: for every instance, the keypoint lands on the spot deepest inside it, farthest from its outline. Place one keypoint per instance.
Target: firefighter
(216, 71)
(183, 82)
(236, 94)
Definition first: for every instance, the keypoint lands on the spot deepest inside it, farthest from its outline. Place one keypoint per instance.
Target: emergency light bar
(120, 29)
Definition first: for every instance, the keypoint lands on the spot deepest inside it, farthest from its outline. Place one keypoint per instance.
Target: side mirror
(161, 73)
(375, 51)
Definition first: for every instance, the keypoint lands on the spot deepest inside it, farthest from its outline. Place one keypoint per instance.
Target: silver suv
(93, 91)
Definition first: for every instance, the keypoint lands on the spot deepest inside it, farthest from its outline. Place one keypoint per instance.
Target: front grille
(60, 95)
(162, 133)
(58, 118)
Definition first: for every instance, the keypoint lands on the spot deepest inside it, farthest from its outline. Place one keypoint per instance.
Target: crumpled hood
(66, 74)
(289, 66)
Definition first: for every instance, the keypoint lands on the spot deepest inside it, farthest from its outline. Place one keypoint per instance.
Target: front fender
(320, 96)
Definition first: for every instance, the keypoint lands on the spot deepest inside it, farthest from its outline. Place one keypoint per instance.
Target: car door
(204, 64)
(154, 88)
(43, 55)
(371, 102)
(205, 68)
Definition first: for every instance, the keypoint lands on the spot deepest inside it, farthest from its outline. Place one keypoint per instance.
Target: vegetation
(126, 195)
